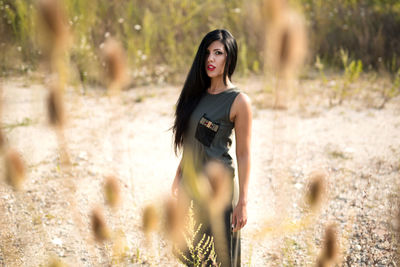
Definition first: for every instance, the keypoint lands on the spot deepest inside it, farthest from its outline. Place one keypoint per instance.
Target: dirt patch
(130, 138)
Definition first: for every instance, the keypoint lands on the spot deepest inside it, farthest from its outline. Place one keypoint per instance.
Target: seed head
(15, 169)
(150, 219)
(52, 14)
(396, 222)
(396, 226)
(173, 220)
(221, 184)
(99, 227)
(171, 211)
(56, 263)
(55, 107)
(284, 49)
(316, 189)
(112, 191)
(286, 40)
(114, 57)
(2, 140)
(330, 247)
(330, 243)
(321, 263)
(273, 9)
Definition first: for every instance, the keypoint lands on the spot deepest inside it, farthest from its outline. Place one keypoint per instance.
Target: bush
(161, 38)
(368, 29)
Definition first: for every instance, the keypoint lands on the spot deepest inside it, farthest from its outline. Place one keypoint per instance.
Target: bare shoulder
(243, 99)
(241, 104)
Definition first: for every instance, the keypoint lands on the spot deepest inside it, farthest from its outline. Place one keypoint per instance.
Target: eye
(219, 52)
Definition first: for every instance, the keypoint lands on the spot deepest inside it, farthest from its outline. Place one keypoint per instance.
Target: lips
(210, 67)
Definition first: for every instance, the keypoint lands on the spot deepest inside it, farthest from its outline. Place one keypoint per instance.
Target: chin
(213, 75)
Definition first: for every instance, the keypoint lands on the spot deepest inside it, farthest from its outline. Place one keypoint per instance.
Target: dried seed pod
(112, 191)
(56, 263)
(330, 243)
(52, 13)
(15, 169)
(283, 41)
(396, 220)
(114, 58)
(284, 49)
(273, 9)
(55, 107)
(99, 227)
(174, 218)
(330, 247)
(221, 184)
(396, 226)
(150, 219)
(171, 212)
(316, 189)
(2, 140)
(286, 40)
(320, 263)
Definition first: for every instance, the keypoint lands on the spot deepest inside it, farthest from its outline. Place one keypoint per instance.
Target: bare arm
(242, 117)
(175, 183)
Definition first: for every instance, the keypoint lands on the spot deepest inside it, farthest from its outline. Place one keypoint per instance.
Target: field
(324, 185)
(356, 143)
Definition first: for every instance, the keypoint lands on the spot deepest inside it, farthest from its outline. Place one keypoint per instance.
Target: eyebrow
(216, 49)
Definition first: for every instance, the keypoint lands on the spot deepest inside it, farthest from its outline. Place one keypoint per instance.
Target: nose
(210, 58)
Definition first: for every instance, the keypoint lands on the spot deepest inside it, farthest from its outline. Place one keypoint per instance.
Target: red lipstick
(210, 67)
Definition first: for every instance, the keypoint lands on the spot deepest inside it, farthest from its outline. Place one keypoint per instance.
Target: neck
(217, 85)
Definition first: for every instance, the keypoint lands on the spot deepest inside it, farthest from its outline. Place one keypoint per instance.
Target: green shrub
(161, 38)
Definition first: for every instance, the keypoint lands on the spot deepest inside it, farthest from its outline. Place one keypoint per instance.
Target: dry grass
(55, 107)
(112, 191)
(330, 249)
(136, 191)
(15, 169)
(150, 219)
(116, 71)
(99, 227)
(285, 50)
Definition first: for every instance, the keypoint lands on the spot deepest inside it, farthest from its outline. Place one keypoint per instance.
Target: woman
(208, 109)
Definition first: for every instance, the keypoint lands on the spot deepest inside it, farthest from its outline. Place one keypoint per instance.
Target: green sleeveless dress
(209, 137)
(209, 133)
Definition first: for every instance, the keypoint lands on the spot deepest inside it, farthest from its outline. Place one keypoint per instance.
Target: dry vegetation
(355, 146)
(87, 172)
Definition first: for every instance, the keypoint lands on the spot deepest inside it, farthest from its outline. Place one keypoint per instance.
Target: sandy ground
(130, 138)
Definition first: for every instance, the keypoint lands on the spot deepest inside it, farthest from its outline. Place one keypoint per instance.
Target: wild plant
(55, 262)
(15, 169)
(314, 197)
(284, 49)
(199, 252)
(320, 67)
(114, 58)
(352, 71)
(112, 191)
(150, 219)
(392, 91)
(330, 249)
(100, 229)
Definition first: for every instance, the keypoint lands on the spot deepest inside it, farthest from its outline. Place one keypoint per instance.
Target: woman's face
(215, 59)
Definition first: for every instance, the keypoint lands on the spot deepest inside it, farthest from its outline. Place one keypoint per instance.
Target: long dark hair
(197, 81)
